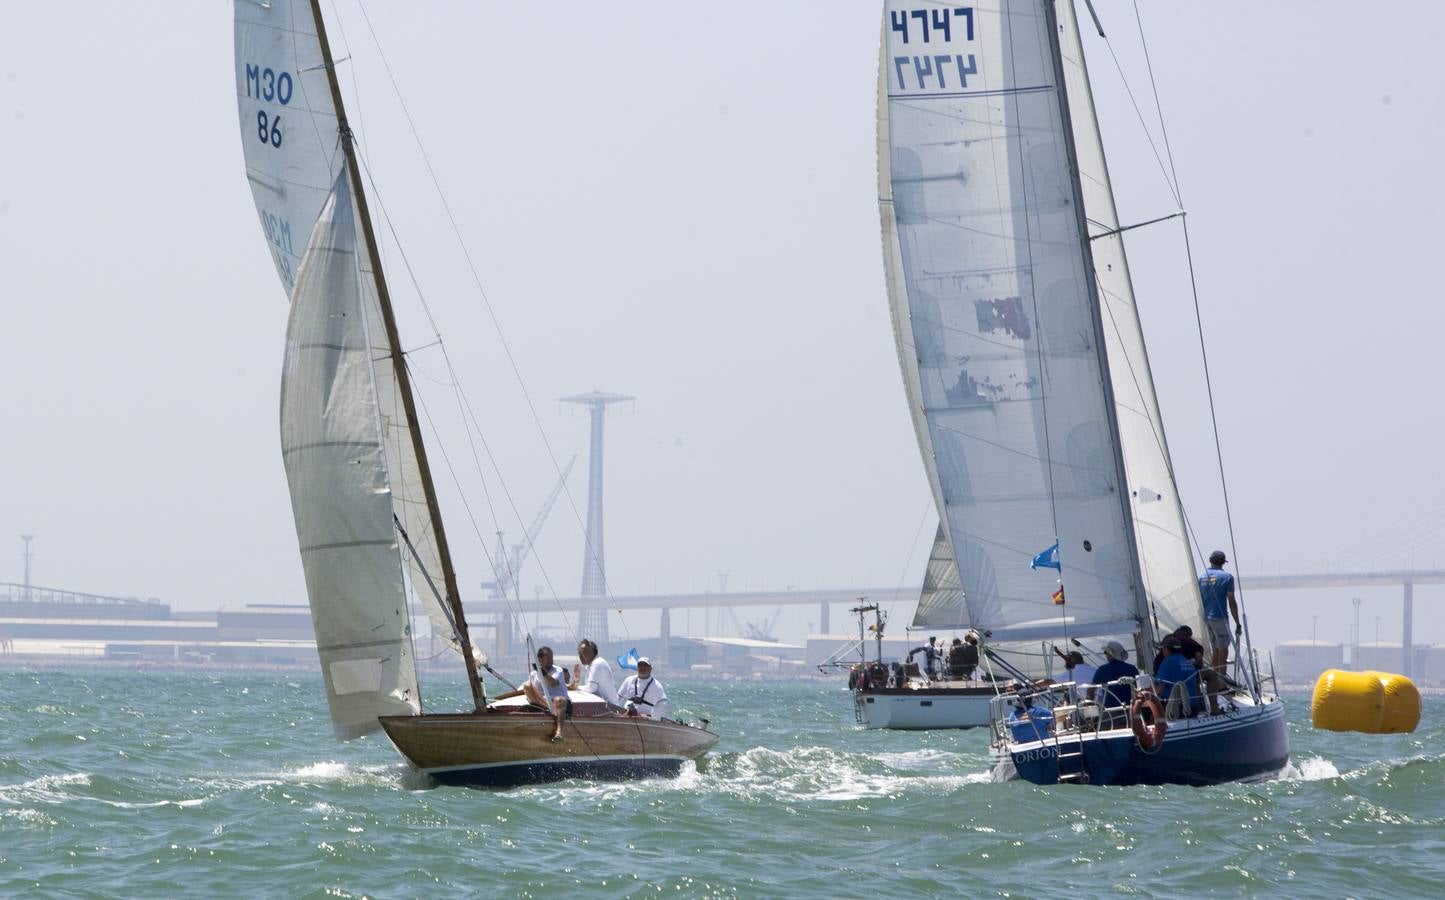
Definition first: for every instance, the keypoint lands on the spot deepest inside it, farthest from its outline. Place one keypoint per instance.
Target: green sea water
(117, 782)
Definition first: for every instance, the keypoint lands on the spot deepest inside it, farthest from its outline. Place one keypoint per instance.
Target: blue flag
(628, 660)
(1049, 559)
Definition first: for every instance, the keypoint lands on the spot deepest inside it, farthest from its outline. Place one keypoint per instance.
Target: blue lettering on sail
(932, 71)
(932, 22)
(926, 69)
(265, 83)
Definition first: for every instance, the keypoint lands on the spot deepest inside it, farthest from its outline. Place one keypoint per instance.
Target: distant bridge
(825, 598)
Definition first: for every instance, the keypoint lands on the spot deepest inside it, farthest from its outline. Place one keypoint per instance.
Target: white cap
(1115, 650)
(644, 661)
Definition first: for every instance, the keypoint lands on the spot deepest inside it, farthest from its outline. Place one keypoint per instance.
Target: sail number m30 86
(265, 83)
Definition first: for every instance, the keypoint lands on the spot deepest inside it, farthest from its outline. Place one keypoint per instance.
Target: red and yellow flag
(1058, 596)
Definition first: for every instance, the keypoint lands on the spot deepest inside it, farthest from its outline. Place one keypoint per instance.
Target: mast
(398, 361)
(1096, 314)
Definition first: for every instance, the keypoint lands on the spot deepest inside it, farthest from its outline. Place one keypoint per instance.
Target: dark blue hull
(1247, 745)
(539, 772)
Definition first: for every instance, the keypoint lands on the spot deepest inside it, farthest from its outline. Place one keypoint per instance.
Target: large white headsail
(990, 285)
(293, 153)
(331, 442)
(1169, 575)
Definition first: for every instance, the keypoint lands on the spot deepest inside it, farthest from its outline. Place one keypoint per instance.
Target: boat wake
(1310, 768)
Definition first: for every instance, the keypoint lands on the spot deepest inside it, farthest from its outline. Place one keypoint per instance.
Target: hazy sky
(678, 201)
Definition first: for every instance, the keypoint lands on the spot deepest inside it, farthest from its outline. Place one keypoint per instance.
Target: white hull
(920, 710)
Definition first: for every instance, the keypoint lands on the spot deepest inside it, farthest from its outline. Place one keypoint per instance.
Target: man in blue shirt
(1113, 669)
(1175, 669)
(1216, 589)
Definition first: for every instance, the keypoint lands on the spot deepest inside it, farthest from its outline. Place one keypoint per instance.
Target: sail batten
(992, 297)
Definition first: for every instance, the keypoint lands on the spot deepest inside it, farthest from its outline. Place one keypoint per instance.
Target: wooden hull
(491, 749)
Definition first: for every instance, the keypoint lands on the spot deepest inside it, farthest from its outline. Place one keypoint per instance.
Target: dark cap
(1172, 642)
(1217, 558)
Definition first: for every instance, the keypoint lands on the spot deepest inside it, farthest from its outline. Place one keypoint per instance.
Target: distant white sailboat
(905, 696)
(1026, 374)
(366, 512)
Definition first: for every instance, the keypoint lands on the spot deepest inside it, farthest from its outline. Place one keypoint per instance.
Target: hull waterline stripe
(562, 760)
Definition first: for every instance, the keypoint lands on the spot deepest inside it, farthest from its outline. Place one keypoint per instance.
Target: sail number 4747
(265, 83)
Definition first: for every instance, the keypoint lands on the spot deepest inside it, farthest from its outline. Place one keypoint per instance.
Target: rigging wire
(469, 416)
(491, 313)
(1199, 328)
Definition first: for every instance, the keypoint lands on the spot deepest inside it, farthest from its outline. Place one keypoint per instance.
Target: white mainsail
(1159, 527)
(331, 442)
(289, 134)
(991, 290)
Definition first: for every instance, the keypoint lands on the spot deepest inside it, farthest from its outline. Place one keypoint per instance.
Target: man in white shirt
(641, 694)
(546, 687)
(593, 674)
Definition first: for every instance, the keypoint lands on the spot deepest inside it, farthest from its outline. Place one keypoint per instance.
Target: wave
(1310, 768)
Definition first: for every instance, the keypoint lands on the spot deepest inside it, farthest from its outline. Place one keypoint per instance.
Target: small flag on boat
(628, 660)
(1058, 596)
(1049, 559)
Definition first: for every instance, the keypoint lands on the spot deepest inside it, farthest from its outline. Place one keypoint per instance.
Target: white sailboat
(367, 517)
(1026, 374)
(906, 697)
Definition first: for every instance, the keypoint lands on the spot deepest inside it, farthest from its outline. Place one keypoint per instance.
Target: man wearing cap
(1178, 669)
(641, 694)
(1216, 589)
(1079, 671)
(1116, 667)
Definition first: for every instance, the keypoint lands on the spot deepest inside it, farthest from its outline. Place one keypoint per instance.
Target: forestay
(1159, 527)
(991, 291)
(293, 155)
(331, 441)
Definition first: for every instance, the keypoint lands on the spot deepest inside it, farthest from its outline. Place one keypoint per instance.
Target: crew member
(931, 654)
(1216, 589)
(593, 673)
(1178, 669)
(1080, 672)
(963, 657)
(1116, 666)
(641, 694)
(546, 687)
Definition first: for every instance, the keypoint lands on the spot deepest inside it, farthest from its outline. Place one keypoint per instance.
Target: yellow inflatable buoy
(1402, 704)
(1370, 702)
(1348, 701)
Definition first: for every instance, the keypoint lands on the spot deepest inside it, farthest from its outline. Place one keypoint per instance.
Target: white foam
(346, 774)
(1310, 768)
(45, 789)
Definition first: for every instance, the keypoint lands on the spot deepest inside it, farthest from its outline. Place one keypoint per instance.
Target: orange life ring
(1152, 735)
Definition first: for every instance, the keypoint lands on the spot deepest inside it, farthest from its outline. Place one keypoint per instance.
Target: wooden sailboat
(1029, 385)
(367, 517)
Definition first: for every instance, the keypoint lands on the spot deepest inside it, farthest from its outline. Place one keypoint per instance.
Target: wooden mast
(398, 361)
